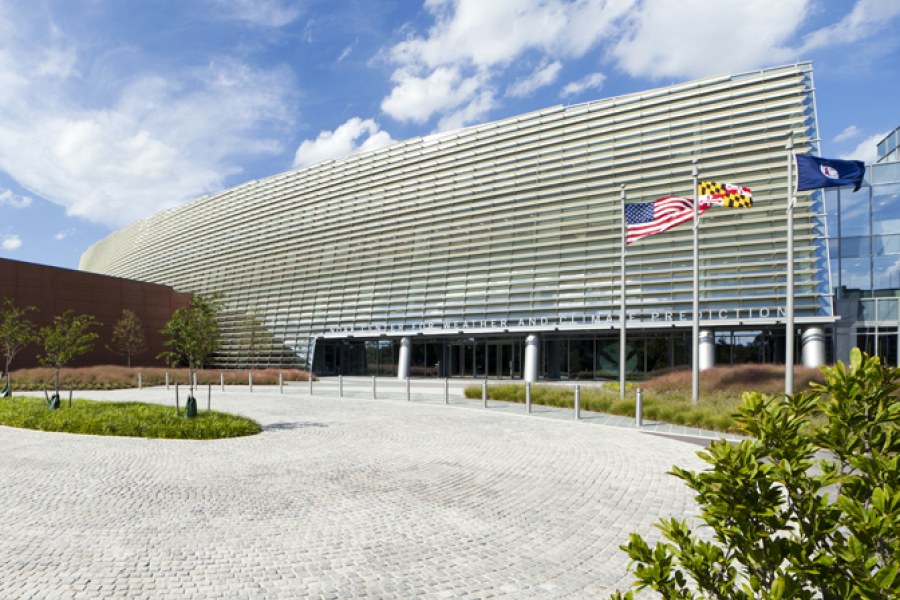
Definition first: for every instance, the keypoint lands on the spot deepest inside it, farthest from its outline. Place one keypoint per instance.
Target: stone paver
(337, 498)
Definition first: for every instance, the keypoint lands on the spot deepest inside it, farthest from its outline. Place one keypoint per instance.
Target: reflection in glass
(831, 210)
(886, 209)
(887, 310)
(854, 212)
(886, 244)
(856, 246)
(856, 277)
(886, 275)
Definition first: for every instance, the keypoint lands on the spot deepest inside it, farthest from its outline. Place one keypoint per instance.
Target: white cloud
(342, 142)
(267, 13)
(848, 133)
(476, 43)
(160, 141)
(867, 150)
(417, 99)
(451, 71)
(867, 17)
(64, 234)
(347, 51)
(473, 112)
(698, 38)
(542, 76)
(490, 34)
(14, 200)
(594, 81)
(11, 242)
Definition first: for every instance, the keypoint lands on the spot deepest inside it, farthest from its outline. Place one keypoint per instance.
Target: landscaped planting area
(667, 397)
(112, 377)
(128, 419)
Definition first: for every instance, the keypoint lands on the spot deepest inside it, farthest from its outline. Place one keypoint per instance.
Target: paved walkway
(348, 497)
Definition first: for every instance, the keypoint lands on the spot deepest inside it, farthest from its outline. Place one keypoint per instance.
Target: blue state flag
(814, 173)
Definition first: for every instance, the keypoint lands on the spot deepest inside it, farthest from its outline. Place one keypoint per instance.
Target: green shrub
(784, 523)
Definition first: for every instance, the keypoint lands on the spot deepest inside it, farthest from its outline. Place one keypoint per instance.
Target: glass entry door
(501, 360)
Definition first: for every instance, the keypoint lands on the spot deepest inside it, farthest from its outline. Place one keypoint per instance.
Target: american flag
(647, 218)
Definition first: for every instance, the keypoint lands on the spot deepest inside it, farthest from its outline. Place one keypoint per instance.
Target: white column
(404, 358)
(812, 347)
(532, 354)
(707, 349)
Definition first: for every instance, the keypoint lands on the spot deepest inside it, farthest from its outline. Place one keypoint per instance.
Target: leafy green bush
(785, 523)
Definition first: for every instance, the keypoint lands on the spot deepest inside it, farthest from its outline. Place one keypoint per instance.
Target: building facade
(495, 250)
(864, 244)
(888, 149)
(53, 291)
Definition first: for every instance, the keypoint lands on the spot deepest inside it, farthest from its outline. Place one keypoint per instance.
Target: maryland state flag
(725, 194)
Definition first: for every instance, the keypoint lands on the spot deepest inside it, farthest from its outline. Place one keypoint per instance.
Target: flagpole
(789, 293)
(695, 344)
(622, 335)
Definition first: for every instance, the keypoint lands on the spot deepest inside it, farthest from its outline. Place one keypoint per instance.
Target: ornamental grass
(667, 397)
(114, 377)
(128, 419)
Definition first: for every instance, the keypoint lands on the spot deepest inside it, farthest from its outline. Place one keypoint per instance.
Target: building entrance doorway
(501, 363)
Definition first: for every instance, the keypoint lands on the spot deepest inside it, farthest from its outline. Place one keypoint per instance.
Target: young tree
(16, 332)
(66, 339)
(255, 336)
(782, 528)
(195, 337)
(128, 336)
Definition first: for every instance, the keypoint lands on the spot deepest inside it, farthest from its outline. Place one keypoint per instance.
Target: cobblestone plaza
(337, 498)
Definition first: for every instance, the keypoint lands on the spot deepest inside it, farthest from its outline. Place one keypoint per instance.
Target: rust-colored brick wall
(54, 290)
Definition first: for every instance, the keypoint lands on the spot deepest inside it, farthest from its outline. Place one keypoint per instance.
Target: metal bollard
(407, 389)
(280, 384)
(528, 397)
(309, 375)
(222, 380)
(639, 408)
(176, 399)
(167, 381)
(374, 386)
(577, 402)
(484, 394)
(340, 386)
(447, 391)
(209, 400)
(250, 375)
(140, 381)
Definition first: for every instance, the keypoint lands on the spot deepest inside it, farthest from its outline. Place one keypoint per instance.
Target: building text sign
(585, 320)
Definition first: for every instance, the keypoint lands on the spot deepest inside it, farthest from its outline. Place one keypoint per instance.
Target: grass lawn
(667, 397)
(129, 419)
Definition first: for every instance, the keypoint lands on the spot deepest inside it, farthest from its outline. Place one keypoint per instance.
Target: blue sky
(111, 111)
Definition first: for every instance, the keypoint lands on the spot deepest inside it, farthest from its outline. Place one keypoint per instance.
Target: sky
(113, 110)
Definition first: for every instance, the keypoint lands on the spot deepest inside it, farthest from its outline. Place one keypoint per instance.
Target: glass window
(886, 244)
(831, 210)
(887, 310)
(856, 276)
(856, 246)
(886, 209)
(854, 212)
(835, 272)
(886, 172)
(882, 148)
(886, 273)
(834, 248)
(866, 310)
